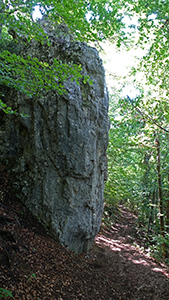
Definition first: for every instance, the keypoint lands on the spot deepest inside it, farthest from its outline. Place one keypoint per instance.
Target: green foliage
(28, 75)
(156, 248)
(132, 168)
(6, 109)
(33, 276)
(132, 152)
(5, 293)
(23, 73)
(124, 159)
(153, 29)
(87, 21)
(7, 42)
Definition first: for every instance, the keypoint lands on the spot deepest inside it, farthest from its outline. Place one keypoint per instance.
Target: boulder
(57, 155)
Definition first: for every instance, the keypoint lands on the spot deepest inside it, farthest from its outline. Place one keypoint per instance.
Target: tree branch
(146, 116)
(151, 119)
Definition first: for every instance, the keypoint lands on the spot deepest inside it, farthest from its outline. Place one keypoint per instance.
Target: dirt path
(132, 273)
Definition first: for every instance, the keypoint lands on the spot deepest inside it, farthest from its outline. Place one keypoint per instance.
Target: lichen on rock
(58, 154)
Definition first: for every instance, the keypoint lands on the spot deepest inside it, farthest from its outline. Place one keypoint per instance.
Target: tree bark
(157, 143)
(0, 30)
(151, 217)
(167, 208)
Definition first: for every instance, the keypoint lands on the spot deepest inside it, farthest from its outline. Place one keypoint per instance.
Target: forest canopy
(87, 21)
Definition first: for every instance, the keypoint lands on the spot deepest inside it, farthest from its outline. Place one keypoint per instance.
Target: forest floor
(34, 266)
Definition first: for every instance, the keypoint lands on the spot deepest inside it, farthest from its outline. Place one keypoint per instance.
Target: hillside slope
(34, 266)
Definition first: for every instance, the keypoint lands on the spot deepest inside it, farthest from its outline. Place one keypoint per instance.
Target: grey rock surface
(57, 155)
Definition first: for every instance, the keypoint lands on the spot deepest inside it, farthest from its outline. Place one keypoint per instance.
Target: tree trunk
(167, 208)
(0, 30)
(151, 217)
(157, 143)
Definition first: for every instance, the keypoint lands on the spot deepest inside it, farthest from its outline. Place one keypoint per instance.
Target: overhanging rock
(58, 154)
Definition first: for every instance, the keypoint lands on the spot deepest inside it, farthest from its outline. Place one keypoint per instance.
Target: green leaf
(6, 293)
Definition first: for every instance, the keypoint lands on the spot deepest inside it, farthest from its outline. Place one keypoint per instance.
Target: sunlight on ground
(165, 272)
(113, 244)
(131, 253)
(141, 261)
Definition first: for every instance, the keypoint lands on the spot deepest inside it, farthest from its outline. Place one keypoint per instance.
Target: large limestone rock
(58, 154)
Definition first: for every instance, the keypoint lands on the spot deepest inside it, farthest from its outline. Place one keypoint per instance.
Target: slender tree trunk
(157, 143)
(167, 208)
(0, 30)
(151, 217)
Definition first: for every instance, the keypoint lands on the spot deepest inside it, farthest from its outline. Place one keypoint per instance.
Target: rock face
(58, 154)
